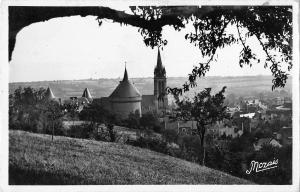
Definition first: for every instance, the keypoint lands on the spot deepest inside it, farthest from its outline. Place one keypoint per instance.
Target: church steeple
(159, 63)
(159, 70)
(160, 85)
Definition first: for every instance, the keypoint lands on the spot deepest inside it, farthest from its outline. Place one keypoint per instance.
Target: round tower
(125, 99)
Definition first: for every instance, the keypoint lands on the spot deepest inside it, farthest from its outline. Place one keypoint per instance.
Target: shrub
(86, 130)
(45, 125)
(133, 120)
(170, 135)
(158, 128)
(150, 143)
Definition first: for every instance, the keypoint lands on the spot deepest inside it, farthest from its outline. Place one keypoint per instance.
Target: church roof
(87, 94)
(49, 94)
(125, 90)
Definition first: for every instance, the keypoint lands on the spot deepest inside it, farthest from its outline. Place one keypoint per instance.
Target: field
(35, 159)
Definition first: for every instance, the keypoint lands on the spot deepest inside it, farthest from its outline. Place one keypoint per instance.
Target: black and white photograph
(189, 96)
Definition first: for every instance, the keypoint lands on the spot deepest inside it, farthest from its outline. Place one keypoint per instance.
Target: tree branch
(280, 76)
(22, 16)
(239, 33)
(265, 50)
(198, 71)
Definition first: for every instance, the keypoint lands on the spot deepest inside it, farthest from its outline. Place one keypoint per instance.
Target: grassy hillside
(34, 159)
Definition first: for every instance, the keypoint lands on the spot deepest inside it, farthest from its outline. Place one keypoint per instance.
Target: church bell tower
(160, 85)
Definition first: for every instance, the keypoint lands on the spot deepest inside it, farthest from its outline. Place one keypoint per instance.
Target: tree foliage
(133, 120)
(270, 25)
(205, 109)
(96, 114)
(72, 108)
(30, 110)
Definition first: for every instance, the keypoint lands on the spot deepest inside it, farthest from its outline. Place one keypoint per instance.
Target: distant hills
(240, 86)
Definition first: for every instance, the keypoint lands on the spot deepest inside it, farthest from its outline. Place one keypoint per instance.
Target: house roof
(49, 94)
(283, 108)
(264, 141)
(249, 115)
(87, 94)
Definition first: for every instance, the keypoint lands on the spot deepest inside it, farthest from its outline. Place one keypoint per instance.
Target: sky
(76, 47)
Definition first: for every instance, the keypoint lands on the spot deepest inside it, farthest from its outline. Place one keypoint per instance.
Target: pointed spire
(49, 94)
(159, 70)
(125, 78)
(159, 63)
(87, 94)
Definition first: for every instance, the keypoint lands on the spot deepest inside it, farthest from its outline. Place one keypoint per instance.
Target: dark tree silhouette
(53, 112)
(270, 25)
(205, 109)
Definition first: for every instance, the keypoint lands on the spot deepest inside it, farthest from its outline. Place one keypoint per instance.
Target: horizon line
(116, 78)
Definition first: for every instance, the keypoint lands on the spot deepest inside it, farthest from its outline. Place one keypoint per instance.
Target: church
(126, 98)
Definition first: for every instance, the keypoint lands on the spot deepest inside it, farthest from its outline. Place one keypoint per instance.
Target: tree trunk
(52, 130)
(203, 156)
(202, 151)
(111, 132)
(201, 133)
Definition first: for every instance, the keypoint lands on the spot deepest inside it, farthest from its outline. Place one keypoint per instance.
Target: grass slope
(34, 159)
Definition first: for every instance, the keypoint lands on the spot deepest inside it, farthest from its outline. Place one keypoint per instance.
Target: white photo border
(4, 73)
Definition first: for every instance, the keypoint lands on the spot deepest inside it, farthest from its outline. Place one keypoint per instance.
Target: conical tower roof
(125, 78)
(87, 94)
(49, 94)
(125, 90)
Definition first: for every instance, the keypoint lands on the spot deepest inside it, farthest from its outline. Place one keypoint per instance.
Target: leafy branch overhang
(20, 17)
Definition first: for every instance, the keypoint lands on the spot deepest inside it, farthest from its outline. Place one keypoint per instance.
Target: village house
(266, 141)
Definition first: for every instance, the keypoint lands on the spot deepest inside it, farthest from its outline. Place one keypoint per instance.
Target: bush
(45, 125)
(85, 131)
(133, 120)
(158, 128)
(111, 132)
(149, 121)
(170, 135)
(150, 143)
(190, 146)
